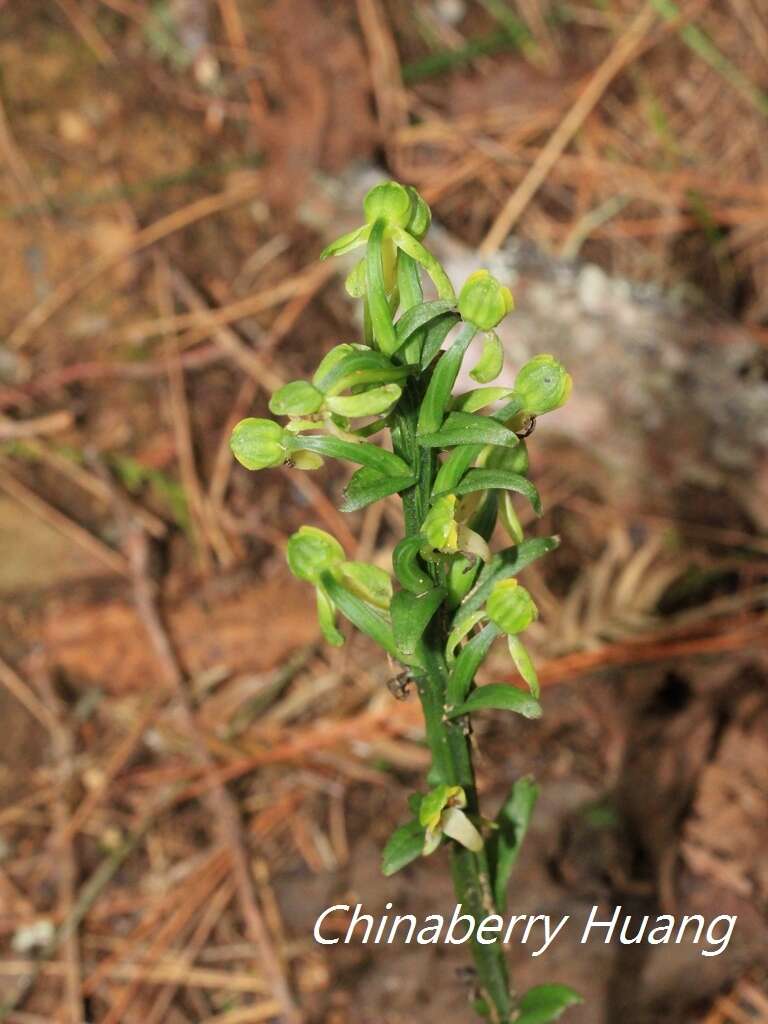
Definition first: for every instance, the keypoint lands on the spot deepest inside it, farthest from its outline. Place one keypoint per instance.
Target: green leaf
(546, 1003)
(403, 846)
(408, 567)
(411, 295)
(419, 316)
(367, 403)
(454, 467)
(504, 564)
(411, 614)
(468, 662)
(506, 840)
(469, 428)
(369, 455)
(378, 302)
(360, 614)
(346, 243)
(500, 697)
(368, 485)
(423, 256)
(436, 333)
(435, 401)
(523, 664)
(356, 368)
(498, 479)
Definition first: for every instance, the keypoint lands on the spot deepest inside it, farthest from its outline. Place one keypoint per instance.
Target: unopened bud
(484, 301)
(511, 607)
(258, 443)
(389, 202)
(543, 384)
(311, 552)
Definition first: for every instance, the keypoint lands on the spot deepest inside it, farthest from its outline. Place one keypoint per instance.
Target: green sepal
(468, 661)
(418, 317)
(461, 428)
(298, 398)
(424, 257)
(491, 361)
(378, 301)
(545, 1003)
(434, 802)
(360, 614)
(369, 455)
(411, 614)
(504, 564)
(484, 301)
(498, 479)
(332, 357)
(368, 582)
(259, 443)
(440, 529)
(462, 573)
(368, 485)
(511, 607)
(367, 403)
(403, 846)
(438, 394)
(543, 385)
(523, 664)
(347, 242)
(479, 398)
(499, 697)
(506, 839)
(408, 567)
(390, 202)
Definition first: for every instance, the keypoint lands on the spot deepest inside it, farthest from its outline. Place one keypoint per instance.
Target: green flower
(299, 398)
(543, 384)
(511, 607)
(258, 443)
(441, 813)
(311, 552)
(484, 301)
(440, 529)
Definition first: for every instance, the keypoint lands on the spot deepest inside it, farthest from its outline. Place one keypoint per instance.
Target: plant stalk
(448, 741)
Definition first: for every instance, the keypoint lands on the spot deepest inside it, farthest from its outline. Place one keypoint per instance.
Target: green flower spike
(483, 301)
(259, 444)
(543, 384)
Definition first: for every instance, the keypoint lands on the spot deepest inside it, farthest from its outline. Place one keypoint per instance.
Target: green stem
(448, 742)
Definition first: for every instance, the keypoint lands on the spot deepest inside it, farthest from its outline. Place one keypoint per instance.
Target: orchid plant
(459, 463)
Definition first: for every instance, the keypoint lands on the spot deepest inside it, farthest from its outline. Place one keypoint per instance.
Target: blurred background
(188, 776)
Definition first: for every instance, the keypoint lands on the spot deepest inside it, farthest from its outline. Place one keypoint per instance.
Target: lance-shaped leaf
(436, 333)
(403, 846)
(424, 257)
(468, 662)
(454, 467)
(469, 428)
(360, 614)
(507, 838)
(499, 479)
(357, 368)
(502, 566)
(545, 1003)
(368, 455)
(411, 614)
(499, 697)
(417, 317)
(408, 567)
(366, 403)
(459, 631)
(347, 242)
(438, 394)
(479, 398)
(378, 301)
(368, 485)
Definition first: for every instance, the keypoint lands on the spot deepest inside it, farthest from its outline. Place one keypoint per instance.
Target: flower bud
(484, 301)
(367, 403)
(511, 607)
(311, 552)
(440, 529)
(491, 361)
(543, 384)
(389, 202)
(298, 398)
(258, 443)
(421, 215)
